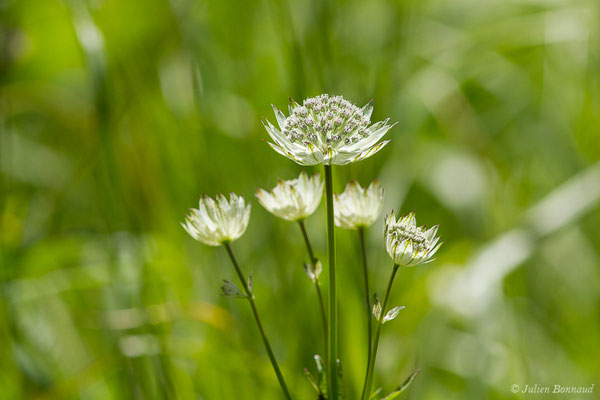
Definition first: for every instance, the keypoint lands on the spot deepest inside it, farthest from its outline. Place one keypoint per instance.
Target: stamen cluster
(327, 129)
(414, 234)
(327, 120)
(408, 244)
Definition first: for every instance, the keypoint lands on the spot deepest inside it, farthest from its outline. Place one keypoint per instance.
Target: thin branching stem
(369, 379)
(250, 298)
(332, 332)
(314, 261)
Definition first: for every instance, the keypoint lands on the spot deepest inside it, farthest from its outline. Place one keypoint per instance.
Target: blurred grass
(116, 115)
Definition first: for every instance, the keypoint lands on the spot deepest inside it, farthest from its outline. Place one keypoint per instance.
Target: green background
(116, 115)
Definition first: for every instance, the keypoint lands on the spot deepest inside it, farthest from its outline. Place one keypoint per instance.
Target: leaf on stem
(231, 290)
(312, 380)
(251, 284)
(375, 394)
(402, 387)
(393, 313)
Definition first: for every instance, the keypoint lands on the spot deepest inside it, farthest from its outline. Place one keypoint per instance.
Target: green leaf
(230, 289)
(318, 383)
(312, 380)
(376, 393)
(402, 387)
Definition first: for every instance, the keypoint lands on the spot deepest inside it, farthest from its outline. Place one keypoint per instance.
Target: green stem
(369, 380)
(361, 234)
(314, 261)
(250, 298)
(333, 339)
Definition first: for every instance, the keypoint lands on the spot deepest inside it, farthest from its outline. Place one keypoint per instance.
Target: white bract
(219, 221)
(313, 271)
(377, 310)
(408, 244)
(392, 314)
(358, 207)
(294, 199)
(328, 130)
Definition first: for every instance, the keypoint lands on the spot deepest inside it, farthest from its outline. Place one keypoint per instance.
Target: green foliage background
(116, 115)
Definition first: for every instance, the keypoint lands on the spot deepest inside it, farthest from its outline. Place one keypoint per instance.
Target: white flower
(407, 244)
(328, 130)
(218, 222)
(295, 199)
(358, 207)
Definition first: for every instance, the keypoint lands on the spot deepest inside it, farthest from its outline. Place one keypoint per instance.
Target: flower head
(328, 130)
(408, 244)
(219, 221)
(295, 199)
(358, 207)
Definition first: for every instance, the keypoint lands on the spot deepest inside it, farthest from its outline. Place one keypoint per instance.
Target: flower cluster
(294, 199)
(358, 207)
(408, 244)
(328, 130)
(218, 222)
